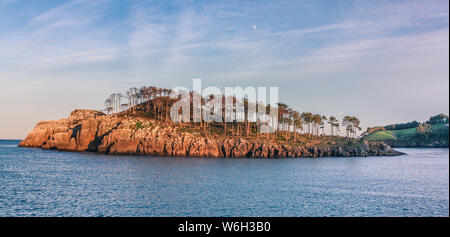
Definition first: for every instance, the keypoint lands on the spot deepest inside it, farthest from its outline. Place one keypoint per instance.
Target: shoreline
(213, 157)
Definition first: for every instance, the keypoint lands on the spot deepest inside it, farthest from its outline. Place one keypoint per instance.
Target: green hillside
(433, 136)
(381, 136)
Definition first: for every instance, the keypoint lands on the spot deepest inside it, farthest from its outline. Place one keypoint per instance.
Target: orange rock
(89, 130)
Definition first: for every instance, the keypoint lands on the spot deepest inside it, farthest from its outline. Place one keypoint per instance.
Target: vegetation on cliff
(290, 125)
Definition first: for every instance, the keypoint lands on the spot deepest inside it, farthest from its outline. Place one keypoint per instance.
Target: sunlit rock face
(93, 131)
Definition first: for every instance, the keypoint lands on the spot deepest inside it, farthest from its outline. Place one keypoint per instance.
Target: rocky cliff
(92, 131)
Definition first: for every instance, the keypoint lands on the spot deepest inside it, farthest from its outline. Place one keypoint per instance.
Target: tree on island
(155, 103)
(352, 124)
(334, 124)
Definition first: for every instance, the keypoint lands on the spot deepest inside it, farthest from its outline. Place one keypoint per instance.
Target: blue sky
(383, 61)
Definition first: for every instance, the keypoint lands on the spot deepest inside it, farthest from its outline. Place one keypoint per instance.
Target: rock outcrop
(92, 131)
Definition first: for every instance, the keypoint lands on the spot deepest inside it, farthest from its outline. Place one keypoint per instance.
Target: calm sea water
(35, 182)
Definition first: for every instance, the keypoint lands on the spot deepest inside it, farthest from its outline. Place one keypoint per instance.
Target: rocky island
(94, 131)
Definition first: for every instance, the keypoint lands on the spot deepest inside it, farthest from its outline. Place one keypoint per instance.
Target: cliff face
(87, 130)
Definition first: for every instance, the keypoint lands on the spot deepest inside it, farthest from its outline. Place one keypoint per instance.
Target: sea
(35, 182)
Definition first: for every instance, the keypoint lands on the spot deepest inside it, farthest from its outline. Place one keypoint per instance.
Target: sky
(382, 61)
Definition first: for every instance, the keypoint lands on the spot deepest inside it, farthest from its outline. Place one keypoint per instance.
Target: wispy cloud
(58, 37)
(322, 59)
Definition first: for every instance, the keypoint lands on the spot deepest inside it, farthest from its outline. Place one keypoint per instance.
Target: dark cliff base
(92, 131)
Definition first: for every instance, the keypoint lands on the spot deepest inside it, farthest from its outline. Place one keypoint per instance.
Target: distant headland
(433, 133)
(144, 127)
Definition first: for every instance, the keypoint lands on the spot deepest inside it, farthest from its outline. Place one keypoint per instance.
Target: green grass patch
(404, 134)
(380, 136)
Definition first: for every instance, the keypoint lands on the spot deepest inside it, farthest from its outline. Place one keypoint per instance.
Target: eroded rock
(89, 130)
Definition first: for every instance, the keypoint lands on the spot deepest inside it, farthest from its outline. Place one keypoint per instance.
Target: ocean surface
(36, 182)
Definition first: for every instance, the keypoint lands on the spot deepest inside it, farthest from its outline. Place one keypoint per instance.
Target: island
(143, 127)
